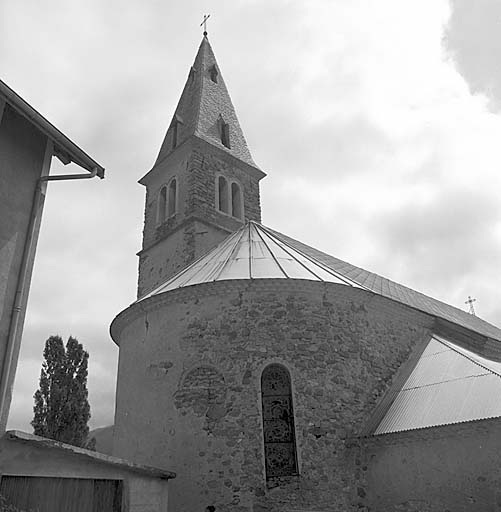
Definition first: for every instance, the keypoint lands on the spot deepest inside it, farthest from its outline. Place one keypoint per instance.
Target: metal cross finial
(204, 23)
(470, 301)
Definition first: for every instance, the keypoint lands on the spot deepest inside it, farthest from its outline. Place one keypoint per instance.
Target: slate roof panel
(200, 107)
(400, 292)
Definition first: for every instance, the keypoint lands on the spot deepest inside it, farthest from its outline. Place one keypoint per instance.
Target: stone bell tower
(204, 184)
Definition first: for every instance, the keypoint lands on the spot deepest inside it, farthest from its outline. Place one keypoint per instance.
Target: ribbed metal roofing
(449, 384)
(253, 252)
(400, 293)
(258, 252)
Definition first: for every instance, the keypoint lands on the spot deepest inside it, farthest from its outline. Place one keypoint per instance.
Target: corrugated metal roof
(253, 252)
(395, 291)
(449, 384)
(258, 252)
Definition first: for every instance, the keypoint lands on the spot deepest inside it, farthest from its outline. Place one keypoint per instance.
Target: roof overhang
(89, 455)
(197, 142)
(66, 150)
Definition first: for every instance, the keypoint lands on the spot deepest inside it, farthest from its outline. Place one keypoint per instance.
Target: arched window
(161, 205)
(236, 201)
(278, 422)
(222, 188)
(172, 202)
(229, 197)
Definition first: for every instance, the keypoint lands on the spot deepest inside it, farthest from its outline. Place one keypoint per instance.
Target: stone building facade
(182, 227)
(258, 368)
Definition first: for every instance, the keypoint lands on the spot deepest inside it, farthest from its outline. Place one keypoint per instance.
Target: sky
(378, 124)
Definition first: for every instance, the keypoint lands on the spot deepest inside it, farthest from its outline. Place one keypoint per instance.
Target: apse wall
(189, 387)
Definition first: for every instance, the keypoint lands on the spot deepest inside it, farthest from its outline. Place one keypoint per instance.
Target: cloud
(420, 206)
(472, 38)
(435, 239)
(380, 145)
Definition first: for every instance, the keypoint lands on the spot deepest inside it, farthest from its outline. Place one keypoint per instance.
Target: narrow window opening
(236, 201)
(172, 202)
(213, 72)
(162, 204)
(174, 133)
(225, 134)
(222, 188)
(192, 74)
(278, 422)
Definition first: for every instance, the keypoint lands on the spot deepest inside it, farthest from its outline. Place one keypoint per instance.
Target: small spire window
(174, 133)
(213, 73)
(191, 76)
(225, 134)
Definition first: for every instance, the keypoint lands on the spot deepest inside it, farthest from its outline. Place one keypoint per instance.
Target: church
(270, 376)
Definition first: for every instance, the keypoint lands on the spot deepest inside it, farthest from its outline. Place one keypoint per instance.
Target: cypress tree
(61, 410)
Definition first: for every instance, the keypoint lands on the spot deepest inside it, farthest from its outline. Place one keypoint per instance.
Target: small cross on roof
(204, 23)
(470, 302)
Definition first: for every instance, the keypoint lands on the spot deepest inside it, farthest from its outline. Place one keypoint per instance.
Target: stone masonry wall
(202, 189)
(175, 165)
(197, 226)
(188, 395)
(447, 468)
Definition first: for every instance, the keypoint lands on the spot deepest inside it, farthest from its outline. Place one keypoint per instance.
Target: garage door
(46, 494)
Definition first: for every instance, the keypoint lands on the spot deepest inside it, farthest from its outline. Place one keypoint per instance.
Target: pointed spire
(205, 111)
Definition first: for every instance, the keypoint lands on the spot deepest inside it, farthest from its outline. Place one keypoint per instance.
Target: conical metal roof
(253, 252)
(258, 252)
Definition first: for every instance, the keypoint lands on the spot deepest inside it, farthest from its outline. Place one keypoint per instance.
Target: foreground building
(47, 476)
(28, 142)
(38, 473)
(273, 377)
